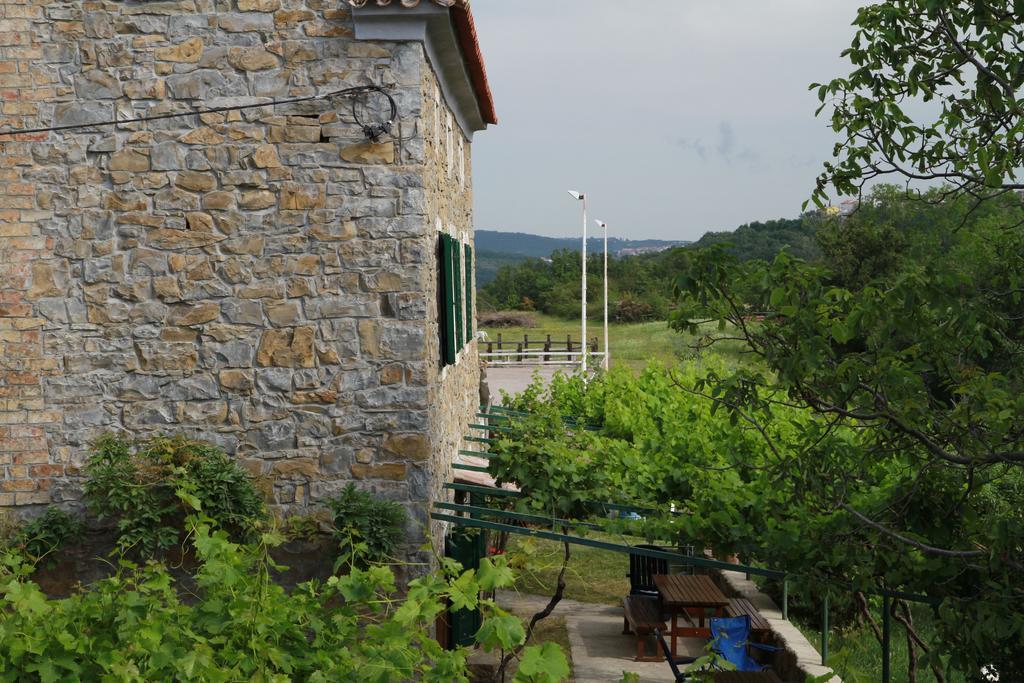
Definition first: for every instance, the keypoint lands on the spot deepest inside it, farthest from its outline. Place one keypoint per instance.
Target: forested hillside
(763, 240)
(539, 246)
(640, 286)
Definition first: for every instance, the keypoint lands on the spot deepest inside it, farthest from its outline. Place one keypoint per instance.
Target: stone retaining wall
(799, 659)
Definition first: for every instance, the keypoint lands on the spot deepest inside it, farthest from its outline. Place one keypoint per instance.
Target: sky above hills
(675, 116)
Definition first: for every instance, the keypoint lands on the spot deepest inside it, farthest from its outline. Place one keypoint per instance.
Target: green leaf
(543, 664)
(464, 592)
(501, 632)
(491, 576)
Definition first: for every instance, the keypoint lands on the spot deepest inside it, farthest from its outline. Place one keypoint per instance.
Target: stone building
(266, 279)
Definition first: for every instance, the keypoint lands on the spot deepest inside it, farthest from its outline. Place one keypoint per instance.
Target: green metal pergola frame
(478, 516)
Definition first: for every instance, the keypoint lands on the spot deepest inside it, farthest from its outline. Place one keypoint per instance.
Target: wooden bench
(759, 626)
(642, 614)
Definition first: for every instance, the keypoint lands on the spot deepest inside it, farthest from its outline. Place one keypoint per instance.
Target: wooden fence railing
(545, 350)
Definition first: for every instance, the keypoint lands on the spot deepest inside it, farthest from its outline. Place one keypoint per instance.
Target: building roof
(405, 3)
(469, 43)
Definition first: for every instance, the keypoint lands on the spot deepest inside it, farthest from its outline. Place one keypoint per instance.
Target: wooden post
(547, 349)
(785, 599)
(499, 342)
(519, 351)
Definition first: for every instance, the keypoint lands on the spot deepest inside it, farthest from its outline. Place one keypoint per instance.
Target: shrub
(241, 626)
(629, 310)
(137, 487)
(368, 529)
(44, 534)
(498, 319)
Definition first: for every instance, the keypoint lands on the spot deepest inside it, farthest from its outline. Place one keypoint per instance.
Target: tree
(935, 95)
(919, 354)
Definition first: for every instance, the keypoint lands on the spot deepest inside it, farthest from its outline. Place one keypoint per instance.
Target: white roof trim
(404, 3)
(430, 24)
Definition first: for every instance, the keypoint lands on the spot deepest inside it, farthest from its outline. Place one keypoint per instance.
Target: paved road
(514, 379)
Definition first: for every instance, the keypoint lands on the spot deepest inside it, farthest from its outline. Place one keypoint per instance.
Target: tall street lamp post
(582, 198)
(607, 351)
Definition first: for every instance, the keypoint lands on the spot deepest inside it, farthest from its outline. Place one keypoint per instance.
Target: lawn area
(634, 345)
(856, 656)
(592, 576)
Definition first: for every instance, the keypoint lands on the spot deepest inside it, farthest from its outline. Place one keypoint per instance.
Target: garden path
(600, 652)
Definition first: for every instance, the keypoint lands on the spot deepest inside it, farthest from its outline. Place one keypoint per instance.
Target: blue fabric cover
(729, 637)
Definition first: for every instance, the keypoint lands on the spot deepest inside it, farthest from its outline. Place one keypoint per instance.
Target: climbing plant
(758, 484)
(237, 624)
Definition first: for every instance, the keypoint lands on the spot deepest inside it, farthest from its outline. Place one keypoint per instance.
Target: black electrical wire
(372, 131)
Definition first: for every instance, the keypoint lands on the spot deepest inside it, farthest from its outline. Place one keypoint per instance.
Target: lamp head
(577, 195)
(601, 224)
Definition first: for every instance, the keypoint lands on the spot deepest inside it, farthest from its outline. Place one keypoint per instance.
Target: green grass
(593, 575)
(634, 345)
(856, 656)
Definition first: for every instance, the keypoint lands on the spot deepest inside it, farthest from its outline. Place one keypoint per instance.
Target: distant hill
(763, 240)
(496, 249)
(541, 247)
(516, 270)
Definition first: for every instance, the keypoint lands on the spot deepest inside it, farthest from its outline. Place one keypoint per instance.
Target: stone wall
(262, 279)
(454, 395)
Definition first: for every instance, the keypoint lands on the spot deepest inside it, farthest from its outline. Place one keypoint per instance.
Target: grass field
(634, 345)
(856, 656)
(592, 576)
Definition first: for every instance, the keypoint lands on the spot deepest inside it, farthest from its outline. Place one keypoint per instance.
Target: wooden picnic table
(747, 677)
(689, 596)
(760, 629)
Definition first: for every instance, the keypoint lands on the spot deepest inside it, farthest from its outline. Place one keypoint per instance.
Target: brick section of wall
(27, 468)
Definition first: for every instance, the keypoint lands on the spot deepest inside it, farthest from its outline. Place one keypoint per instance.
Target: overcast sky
(675, 116)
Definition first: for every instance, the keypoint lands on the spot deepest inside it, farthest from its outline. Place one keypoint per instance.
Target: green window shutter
(460, 337)
(469, 295)
(449, 349)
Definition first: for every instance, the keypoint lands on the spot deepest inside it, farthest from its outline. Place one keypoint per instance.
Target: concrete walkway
(515, 378)
(600, 652)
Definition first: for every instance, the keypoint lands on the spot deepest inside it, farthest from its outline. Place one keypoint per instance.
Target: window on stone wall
(445, 318)
(454, 296)
(462, 163)
(469, 293)
(450, 145)
(460, 309)
(437, 118)
(450, 342)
